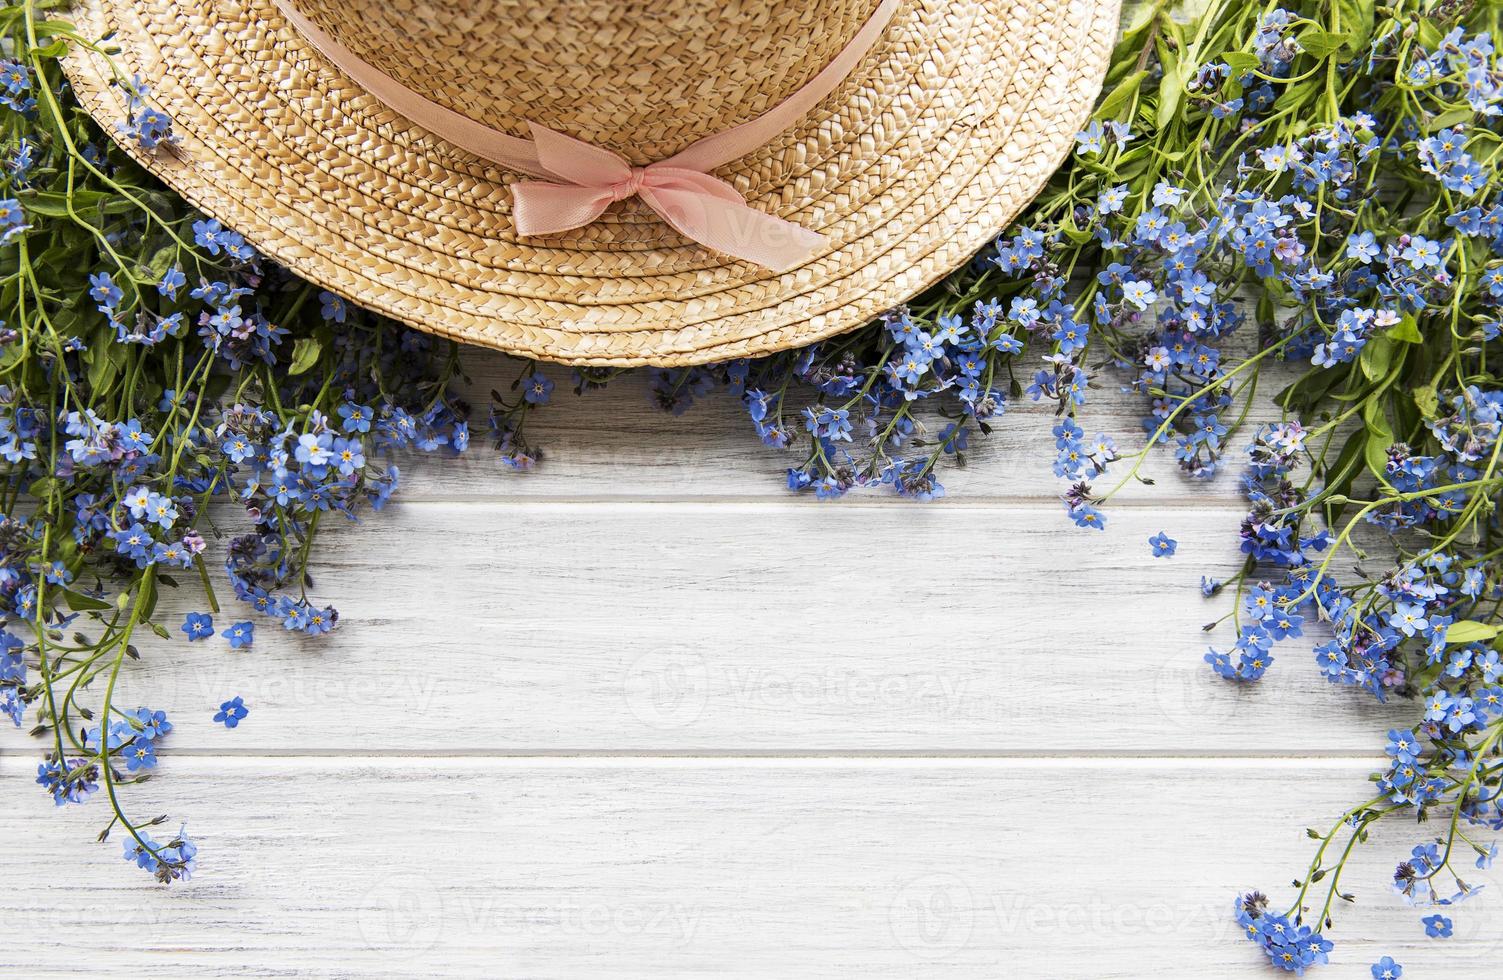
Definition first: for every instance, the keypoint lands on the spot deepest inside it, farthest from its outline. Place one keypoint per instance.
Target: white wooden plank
(807, 868)
(755, 628)
(614, 443)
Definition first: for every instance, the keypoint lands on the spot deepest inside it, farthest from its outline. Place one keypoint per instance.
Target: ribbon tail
(577, 162)
(734, 227)
(540, 207)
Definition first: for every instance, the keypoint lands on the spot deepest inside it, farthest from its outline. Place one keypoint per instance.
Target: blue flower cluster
(865, 409)
(15, 87)
(134, 741)
(170, 861)
(182, 373)
(1290, 945)
(1356, 311)
(145, 125)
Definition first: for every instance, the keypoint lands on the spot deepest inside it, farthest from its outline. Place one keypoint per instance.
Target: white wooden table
(641, 713)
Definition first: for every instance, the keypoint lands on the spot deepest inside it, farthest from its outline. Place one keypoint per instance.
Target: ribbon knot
(587, 179)
(704, 208)
(621, 190)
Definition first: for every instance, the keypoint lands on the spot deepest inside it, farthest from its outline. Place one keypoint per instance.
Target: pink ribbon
(584, 179)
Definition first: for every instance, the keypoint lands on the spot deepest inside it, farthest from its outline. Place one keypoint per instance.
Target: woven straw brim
(942, 134)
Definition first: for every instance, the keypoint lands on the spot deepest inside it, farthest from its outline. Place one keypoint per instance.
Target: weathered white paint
(640, 714)
(400, 867)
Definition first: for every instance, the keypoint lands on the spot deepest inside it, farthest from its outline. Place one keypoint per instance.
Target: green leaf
(1406, 331)
(1340, 476)
(79, 602)
(1116, 101)
(304, 354)
(1376, 357)
(1322, 44)
(1428, 34)
(1375, 452)
(1077, 235)
(1171, 87)
(1306, 392)
(1241, 60)
(1375, 417)
(1357, 19)
(106, 359)
(1446, 120)
(54, 204)
(161, 262)
(56, 49)
(1379, 437)
(1427, 401)
(1470, 631)
(147, 598)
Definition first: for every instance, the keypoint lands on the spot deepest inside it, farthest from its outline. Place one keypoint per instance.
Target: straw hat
(950, 118)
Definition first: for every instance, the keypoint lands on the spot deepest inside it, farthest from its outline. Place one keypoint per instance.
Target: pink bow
(701, 207)
(589, 178)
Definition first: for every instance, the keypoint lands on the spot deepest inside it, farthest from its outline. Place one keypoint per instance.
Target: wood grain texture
(737, 627)
(640, 713)
(614, 444)
(389, 867)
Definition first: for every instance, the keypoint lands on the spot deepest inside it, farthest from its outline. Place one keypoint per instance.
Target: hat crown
(643, 78)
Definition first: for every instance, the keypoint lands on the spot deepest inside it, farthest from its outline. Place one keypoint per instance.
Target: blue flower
(320, 621)
(347, 455)
(12, 219)
(1422, 253)
(332, 307)
(950, 329)
(1290, 946)
(1437, 926)
(168, 862)
(240, 635)
(1163, 545)
(172, 280)
(68, 782)
(141, 754)
(103, 291)
(134, 541)
(1088, 140)
(1362, 247)
(1006, 343)
(231, 712)
(154, 724)
(909, 367)
(1112, 199)
(1283, 623)
(1408, 618)
(1403, 746)
(206, 235)
(172, 554)
(829, 488)
(1486, 856)
(150, 128)
(198, 626)
(537, 388)
(357, 418)
(1139, 293)
(1084, 515)
(314, 448)
(1387, 969)
(828, 423)
(161, 510)
(15, 76)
